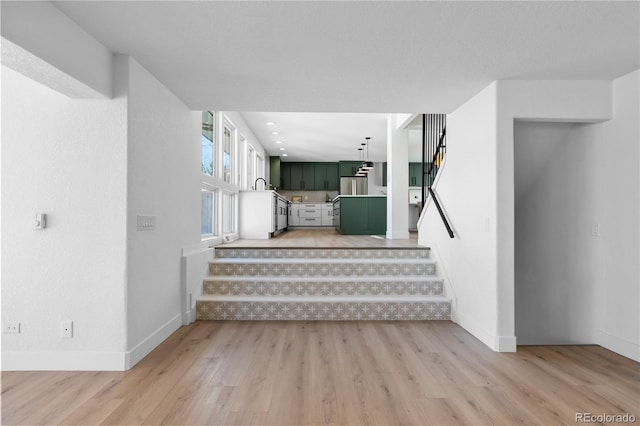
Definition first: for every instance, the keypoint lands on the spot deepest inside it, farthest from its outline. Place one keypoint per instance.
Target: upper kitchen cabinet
(298, 176)
(349, 168)
(415, 174)
(384, 174)
(310, 176)
(275, 174)
(326, 177)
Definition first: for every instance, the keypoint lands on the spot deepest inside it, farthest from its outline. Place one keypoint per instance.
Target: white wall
(619, 189)
(476, 187)
(571, 286)
(163, 181)
(93, 166)
(466, 191)
(374, 180)
(397, 172)
(66, 158)
(568, 101)
(557, 260)
(60, 53)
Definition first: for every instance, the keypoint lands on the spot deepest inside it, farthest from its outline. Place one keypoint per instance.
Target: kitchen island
(262, 214)
(360, 214)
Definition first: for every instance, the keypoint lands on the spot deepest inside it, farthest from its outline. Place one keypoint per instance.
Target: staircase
(322, 284)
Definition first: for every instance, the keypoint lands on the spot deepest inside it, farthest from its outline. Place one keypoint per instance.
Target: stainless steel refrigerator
(353, 186)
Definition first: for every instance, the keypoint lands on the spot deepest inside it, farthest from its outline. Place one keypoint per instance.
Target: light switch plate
(11, 328)
(146, 223)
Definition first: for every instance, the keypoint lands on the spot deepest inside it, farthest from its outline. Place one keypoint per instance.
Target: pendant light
(367, 165)
(361, 172)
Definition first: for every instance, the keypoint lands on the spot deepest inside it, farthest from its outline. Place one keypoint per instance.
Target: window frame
(214, 190)
(213, 143)
(232, 204)
(227, 125)
(251, 174)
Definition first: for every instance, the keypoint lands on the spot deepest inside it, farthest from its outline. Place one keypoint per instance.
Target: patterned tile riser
(302, 311)
(321, 269)
(301, 288)
(321, 254)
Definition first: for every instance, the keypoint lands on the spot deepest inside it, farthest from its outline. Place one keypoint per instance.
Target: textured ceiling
(357, 56)
(360, 56)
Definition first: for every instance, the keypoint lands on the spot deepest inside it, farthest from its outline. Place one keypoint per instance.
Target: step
(323, 253)
(328, 308)
(322, 267)
(334, 286)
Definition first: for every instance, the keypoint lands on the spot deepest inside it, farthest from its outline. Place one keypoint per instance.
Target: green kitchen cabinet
(415, 174)
(295, 181)
(275, 173)
(308, 176)
(285, 175)
(300, 176)
(384, 174)
(349, 168)
(361, 215)
(377, 215)
(326, 177)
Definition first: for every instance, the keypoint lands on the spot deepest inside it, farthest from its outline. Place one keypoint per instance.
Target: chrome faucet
(255, 184)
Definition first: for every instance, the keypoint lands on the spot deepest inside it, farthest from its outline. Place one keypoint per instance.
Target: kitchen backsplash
(310, 196)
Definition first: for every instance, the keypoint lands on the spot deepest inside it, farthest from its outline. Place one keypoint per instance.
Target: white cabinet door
(310, 211)
(327, 214)
(327, 217)
(282, 214)
(310, 221)
(294, 215)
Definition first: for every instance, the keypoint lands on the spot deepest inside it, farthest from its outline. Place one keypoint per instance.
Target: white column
(397, 180)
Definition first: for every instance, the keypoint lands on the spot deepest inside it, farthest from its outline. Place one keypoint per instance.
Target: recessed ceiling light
(270, 123)
(284, 155)
(281, 149)
(278, 141)
(274, 133)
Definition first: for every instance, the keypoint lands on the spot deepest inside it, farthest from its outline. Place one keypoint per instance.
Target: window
(251, 168)
(260, 167)
(208, 211)
(227, 155)
(208, 144)
(228, 213)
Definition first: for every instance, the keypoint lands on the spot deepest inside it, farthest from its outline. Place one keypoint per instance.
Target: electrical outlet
(595, 230)
(66, 329)
(11, 328)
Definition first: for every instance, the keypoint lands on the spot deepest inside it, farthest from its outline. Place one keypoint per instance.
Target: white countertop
(358, 196)
(264, 191)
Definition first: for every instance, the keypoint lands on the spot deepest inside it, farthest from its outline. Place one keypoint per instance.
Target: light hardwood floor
(341, 373)
(325, 237)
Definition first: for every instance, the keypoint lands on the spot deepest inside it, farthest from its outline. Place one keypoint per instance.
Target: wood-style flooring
(340, 373)
(326, 237)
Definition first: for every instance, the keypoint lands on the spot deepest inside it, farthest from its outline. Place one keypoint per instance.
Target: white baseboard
(618, 345)
(505, 344)
(496, 343)
(88, 360)
(471, 326)
(143, 348)
(398, 235)
(194, 268)
(63, 361)
(191, 316)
